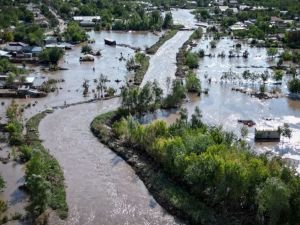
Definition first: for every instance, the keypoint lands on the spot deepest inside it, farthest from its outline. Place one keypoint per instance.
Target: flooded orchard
(101, 187)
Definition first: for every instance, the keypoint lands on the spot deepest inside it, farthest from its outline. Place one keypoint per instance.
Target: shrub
(191, 60)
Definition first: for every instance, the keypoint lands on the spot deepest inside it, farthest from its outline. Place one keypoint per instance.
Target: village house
(238, 26)
(280, 23)
(15, 47)
(34, 51)
(219, 2)
(87, 21)
(233, 3)
(244, 7)
(267, 134)
(50, 40)
(4, 54)
(223, 9)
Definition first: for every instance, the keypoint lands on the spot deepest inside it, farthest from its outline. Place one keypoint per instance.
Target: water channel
(101, 187)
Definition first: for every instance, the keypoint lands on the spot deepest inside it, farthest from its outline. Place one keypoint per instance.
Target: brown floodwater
(101, 187)
(13, 174)
(108, 64)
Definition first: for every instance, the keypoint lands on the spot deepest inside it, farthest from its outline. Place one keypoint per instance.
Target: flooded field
(108, 64)
(112, 194)
(222, 106)
(13, 174)
(101, 187)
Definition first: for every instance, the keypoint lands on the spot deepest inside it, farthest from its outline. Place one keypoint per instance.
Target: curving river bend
(101, 188)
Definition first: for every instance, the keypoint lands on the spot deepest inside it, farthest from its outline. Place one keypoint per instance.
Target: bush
(51, 55)
(86, 49)
(294, 85)
(26, 153)
(193, 83)
(175, 98)
(191, 60)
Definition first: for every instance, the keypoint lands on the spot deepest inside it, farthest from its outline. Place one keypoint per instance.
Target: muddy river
(101, 187)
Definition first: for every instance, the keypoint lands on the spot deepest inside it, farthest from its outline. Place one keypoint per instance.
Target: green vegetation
(86, 49)
(51, 55)
(31, 34)
(175, 98)
(143, 63)
(139, 100)
(192, 60)
(288, 55)
(119, 15)
(74, 33)
(292, 6)
(168, 35)
(14, 126)
(44, 177)
(226, 183)
(272, 52)
(13, 14)
(193, 83)
(292, 39)
(187, 58)
(7, 67)
(2, 183)
(294, 86)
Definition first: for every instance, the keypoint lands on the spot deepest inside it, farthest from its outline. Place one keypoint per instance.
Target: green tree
(273, 201)
(51, 55)
(272, 52)
(193, 83)
(191, 60)
(86, 49)
(2, 183)
(294, 86)
(168, 21)
(8, 36)
(278, 75)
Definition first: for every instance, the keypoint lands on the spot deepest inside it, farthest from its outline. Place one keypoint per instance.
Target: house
(233, 3)
(238, 26)
(87, 18)
(15, 46)
(223, 8)
(267, 134)
(219, 2)
(50, 40)
(234, 10)
(248, 23)
(87, 23)
(244, 7)
(33, 50)
(278, 22)
(4, 54)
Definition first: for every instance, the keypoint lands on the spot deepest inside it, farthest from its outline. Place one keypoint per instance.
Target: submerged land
(156, 112)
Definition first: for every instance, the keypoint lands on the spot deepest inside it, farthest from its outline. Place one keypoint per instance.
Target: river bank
(174, 198)
(100, 186)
